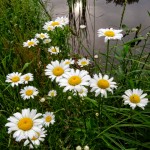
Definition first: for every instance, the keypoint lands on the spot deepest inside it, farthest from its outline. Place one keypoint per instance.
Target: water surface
(104, 14)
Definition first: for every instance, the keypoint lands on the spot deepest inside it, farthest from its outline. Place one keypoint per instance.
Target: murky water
(103, 14)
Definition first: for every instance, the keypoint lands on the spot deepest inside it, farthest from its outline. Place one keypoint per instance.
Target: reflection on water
(97, 14)
(121, 2)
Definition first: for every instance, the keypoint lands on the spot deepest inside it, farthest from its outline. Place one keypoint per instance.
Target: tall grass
(100, 123)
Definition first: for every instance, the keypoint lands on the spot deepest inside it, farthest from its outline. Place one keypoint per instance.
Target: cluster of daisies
(59, 22)
(29, 126)
(16, 78)
(79, 81)
(27, 92)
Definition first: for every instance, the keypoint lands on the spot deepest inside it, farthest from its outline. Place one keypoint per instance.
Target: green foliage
(101, 123)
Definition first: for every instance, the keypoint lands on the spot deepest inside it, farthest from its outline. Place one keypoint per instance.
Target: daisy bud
(78, 148)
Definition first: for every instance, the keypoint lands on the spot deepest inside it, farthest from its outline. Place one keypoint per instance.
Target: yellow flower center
(103, 84)
(81, 91)
(58, 71)
(15, 79)
(42, 36)
(52, 94)
(55, 23)
(109, 33)
(36, 137)
(135, 98)
(83, 63)
(48, 119)
(67, 62)
(54, 50)
(30, 43)
(29, 92)
(74, 80)
(27, 78)
(49, 28)
(25, 124)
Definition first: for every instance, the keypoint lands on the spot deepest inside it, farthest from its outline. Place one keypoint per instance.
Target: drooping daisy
(24, 125)
(28, 92)
(74, 80)
(48, 27)
(48, 118)
(52, 93)
(27, 77)
(69, 61)
(101, 84)
(56, 69)
(14, 78)
(135, 98)
(95, 56)
(36, 139)
(82, 26)
(54, 50)
(42, 36)
(45, 41)
(83, 62)
(62, 20)
(110, 34)
(30, 43)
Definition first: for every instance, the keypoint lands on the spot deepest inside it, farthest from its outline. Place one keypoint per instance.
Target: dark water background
(102, 14)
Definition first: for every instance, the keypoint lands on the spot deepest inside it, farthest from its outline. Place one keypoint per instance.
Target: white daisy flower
(83, 62)
(82, 26)
(14, 78)
(62, 20)
(30, 43)
(68, 61)
(54, 50)
(45, 41)
(74, 80)
(27, 77)
(48, 27)
(42, 36)
(48, 118)
(36, 139)
(55, 70)
(82, 92)
(52, 93)
(101, 84)
(28, 92)
(51, 25)
(135, 98)
(110, 34)
(24, 125)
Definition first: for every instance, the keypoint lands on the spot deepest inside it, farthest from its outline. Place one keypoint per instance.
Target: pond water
(102, 14)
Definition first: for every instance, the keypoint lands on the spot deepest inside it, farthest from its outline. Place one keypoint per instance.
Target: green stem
(82, 113)
(90, 55)
(94, 32)
(100, 107)
(123, 12)
(31, 143)
(107, 55)
(143, 47)
(121, 20)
